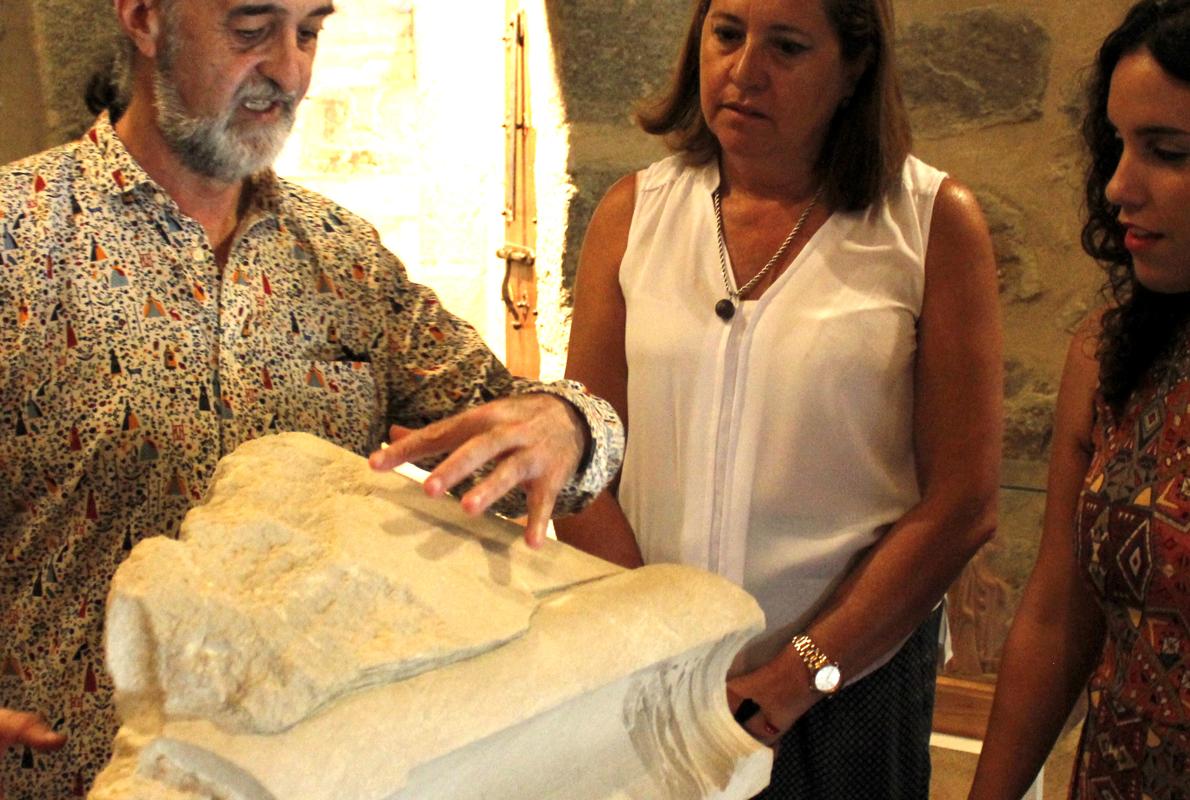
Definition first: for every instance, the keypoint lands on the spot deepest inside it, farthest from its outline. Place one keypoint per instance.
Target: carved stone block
(323, 632)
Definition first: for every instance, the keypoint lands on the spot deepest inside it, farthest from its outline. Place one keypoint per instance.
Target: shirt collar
(114, 171)
(107, 161)
(267, 191)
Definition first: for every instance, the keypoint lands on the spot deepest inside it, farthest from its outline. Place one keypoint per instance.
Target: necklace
(725, 308)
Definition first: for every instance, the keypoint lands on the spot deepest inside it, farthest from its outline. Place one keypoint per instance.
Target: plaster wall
(395, 129)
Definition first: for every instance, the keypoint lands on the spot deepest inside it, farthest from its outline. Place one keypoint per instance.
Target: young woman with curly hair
(1107, 609)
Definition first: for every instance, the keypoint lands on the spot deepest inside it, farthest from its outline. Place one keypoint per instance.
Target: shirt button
(200, 254)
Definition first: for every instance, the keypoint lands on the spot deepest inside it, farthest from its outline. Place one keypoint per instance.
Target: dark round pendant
(725, 309)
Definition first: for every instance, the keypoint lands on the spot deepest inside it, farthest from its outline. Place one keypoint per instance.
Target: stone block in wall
(1016, 263)
(590, 185)
(74, 39)
(1029, 399)
(983, 601)
(970, 69)
(321, 631)
(612, 53)
(1073, 99)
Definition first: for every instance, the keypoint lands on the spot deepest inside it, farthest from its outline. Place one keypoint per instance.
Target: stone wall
(22, 112)
(995, 96)
(604, 75)
(72, 39)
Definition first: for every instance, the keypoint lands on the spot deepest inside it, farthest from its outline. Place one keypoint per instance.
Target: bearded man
(164, 297)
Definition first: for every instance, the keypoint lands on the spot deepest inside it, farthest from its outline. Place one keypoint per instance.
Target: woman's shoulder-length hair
(869, 137)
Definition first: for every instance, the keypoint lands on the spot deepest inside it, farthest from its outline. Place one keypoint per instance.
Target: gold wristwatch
(824, 673)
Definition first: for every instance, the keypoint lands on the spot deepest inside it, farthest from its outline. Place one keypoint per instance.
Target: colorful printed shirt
(130, 362)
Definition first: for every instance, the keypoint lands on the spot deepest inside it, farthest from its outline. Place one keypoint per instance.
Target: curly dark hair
(1141, 327)
(869, 137)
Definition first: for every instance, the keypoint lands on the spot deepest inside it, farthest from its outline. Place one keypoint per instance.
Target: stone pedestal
(322, 631)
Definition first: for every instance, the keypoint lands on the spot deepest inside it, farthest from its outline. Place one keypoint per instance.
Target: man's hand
(535, 441)
(20, 727)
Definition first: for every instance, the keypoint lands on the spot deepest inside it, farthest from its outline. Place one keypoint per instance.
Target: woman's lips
(1137, 239)
(743, 110)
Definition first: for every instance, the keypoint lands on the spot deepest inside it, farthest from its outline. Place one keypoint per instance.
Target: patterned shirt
(130, 362)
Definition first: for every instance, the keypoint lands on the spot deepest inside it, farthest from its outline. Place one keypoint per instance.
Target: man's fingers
(506, 476)
(534, 442)
(386, 457)
(540, 495)
(22, 727)
(43, 738)
(406, 444)
(502, 446)
(541, 508)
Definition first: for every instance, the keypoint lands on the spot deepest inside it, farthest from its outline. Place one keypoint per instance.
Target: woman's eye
(727, 34)
(1169, 156)
(790, 48)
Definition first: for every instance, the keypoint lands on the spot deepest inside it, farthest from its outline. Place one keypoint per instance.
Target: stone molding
(323, 631)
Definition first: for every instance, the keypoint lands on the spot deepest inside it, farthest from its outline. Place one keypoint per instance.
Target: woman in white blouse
(798, 322)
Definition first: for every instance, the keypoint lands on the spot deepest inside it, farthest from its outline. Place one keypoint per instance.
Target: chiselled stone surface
(973, 68)
(1073, 103)
(1029, 401)
(321, 631)
(612, 53)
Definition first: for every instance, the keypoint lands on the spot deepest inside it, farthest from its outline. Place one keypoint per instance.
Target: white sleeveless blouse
(775, 448)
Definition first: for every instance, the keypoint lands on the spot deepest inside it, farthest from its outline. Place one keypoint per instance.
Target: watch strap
(814, 659)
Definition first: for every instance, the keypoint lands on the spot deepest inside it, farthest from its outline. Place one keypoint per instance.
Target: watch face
(826, 680)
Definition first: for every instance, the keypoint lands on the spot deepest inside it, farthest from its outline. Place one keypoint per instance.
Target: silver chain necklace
(725, 308)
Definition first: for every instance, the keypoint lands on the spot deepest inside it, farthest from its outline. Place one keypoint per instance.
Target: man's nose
(288, 64)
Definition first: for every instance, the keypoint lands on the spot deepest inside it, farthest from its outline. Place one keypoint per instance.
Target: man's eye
(308, 35)
(250, 35)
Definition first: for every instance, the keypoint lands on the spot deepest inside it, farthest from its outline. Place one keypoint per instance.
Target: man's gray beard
(214, 146)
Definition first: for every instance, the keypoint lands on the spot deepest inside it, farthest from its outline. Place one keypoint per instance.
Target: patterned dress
(130, 362)
(1134, 549)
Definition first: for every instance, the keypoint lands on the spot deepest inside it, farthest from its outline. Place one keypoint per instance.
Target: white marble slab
(322, 631)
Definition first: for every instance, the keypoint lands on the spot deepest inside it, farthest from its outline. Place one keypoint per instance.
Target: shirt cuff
(605, 445)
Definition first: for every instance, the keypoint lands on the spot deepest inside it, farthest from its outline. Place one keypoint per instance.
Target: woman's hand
(534, 441)
(782, 690)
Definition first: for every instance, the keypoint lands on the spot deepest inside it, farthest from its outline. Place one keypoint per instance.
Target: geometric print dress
(1133, 547)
